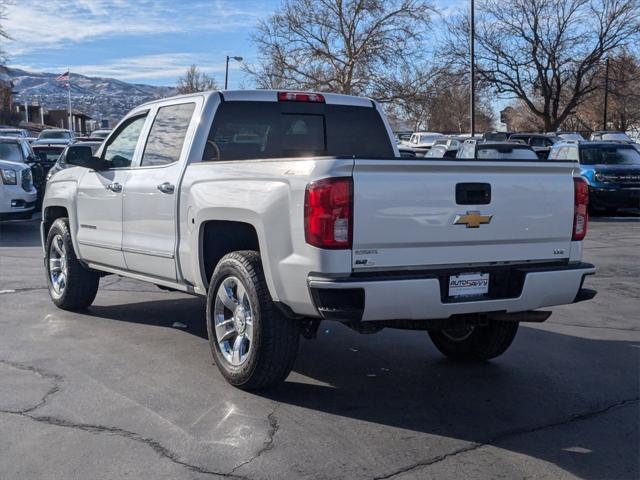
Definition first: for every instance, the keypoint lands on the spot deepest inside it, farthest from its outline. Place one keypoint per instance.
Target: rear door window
(167, 135)
(262, 130)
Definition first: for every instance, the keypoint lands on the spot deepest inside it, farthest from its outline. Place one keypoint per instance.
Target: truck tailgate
(422, 213)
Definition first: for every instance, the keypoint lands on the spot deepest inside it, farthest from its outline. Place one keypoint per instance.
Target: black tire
(482, 343)
(275, 337)
(81, 285)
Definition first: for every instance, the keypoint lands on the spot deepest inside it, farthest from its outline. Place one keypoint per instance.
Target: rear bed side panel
(404, 213)
(269, 195)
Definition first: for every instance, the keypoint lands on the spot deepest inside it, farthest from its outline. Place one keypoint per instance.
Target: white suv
(17, 193)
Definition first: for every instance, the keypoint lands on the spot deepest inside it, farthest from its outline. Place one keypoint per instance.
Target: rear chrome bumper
(420, 297)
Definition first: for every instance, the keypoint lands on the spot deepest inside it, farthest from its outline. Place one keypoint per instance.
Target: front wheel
(475, 342)
(253, 344)
(71, 285)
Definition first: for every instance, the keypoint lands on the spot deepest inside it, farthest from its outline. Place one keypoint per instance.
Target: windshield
(55, 134)
(427, 138)
(52, 154)
(11, 133)
(506, 153)
(571, 136)
(11, 151)
(616, 137)
(252, 130)
(609, 155)
(496, 136)
(101, 133)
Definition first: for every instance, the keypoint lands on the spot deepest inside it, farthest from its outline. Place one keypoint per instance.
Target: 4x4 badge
(472, 219)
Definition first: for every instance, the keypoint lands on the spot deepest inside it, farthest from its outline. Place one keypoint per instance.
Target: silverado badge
(472, 219)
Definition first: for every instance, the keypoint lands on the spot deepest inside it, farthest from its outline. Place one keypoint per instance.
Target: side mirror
(94, 163)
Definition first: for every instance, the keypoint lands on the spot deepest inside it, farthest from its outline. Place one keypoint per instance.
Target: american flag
(64, 78)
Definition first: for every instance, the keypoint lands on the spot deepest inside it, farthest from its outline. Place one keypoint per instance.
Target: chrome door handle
(166, 187)
(115, 187)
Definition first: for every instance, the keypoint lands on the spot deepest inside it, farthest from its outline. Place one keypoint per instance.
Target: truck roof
(272, 96)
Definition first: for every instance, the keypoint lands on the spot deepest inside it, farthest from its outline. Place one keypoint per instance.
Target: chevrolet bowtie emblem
(472, 219)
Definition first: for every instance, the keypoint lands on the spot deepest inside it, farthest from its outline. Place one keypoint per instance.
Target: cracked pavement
(117, 392)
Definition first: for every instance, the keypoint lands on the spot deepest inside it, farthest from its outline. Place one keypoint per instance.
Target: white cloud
(143, 68)
(148, 67)
(36, 25)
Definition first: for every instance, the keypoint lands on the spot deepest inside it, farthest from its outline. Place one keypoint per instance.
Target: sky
(138, 41)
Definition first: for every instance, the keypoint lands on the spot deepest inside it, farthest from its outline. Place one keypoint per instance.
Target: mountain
(100, 98)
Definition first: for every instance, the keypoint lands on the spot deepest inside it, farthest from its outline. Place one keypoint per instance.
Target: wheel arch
(51, 213)
(217, 238)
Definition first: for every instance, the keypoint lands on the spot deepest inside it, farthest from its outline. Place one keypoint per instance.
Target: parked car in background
(89, 139)
(480, 149)
(102, 133)
(406, 152)
(403, 136)
(497, 136)
(540, 143)
(606, 136)
(441, 151)
(18, 195)
(48, 155)
(284, 209)
(421, 142)
(53, 136)
(18, 149)
(450, 141)
(612, 170)
(574, 136)
(14, 132)
(80, 151)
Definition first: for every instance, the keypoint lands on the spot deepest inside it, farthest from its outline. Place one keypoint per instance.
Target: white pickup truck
(287, 208)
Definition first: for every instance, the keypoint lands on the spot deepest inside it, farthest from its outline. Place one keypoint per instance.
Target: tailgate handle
(473, 193)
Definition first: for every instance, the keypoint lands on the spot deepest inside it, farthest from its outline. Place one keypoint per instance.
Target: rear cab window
(246, 130)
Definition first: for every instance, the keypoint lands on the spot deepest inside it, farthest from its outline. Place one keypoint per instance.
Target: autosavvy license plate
(468, 284)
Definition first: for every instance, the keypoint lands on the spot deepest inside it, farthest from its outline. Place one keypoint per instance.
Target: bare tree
(449, 111)
(345, 46)
(623, 98)
(3, 33)
(545, 53)
(519, 118)
(195, 81)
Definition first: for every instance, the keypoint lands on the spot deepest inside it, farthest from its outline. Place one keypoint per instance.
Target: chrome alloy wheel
(58, 268)
(233, 321)
(459, 334)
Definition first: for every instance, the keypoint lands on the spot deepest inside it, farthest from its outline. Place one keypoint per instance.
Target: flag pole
(69, 84)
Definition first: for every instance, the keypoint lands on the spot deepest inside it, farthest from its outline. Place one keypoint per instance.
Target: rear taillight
(328, 213)
(300, 97)
(580, 209)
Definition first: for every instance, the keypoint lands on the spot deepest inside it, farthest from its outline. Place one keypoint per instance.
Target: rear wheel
(475, 342)
(71, 285)
(253, 344)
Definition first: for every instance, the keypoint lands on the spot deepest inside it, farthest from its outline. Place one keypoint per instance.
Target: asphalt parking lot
(128, 389)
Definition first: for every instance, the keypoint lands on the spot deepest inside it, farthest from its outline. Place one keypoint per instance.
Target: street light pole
(226, 74)
(606, 95)
(226, 70)
(472, 54)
